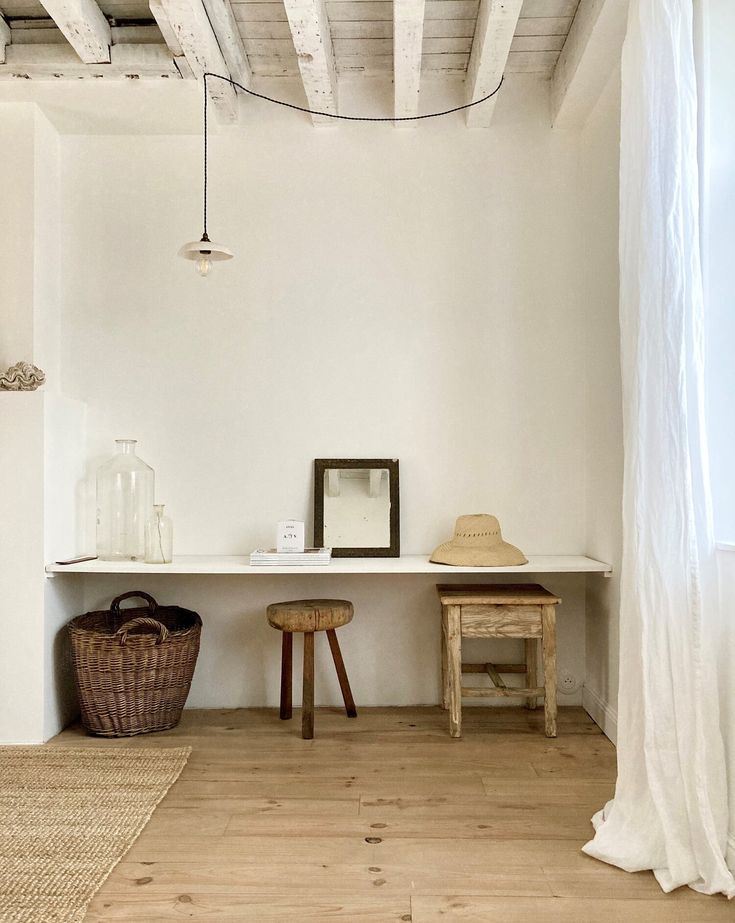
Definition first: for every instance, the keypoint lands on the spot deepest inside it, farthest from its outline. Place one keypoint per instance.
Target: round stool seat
(310, 614)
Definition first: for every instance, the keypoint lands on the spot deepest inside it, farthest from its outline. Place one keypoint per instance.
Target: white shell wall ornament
(22, 377)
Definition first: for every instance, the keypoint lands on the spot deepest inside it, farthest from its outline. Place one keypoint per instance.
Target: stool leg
(454, 669)
(339, 664)
(548, 617)
(445, 669)
(531, 669)
(286, 671)
(307, 702)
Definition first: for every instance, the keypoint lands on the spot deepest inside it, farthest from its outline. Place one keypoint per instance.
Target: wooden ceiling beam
(4, 38)
(169, 37)
(193, 31)
(313, 43)
(408, 37)
(60, 62)
(230, 41)
(84, 26)
(496, 26)
(590, 54)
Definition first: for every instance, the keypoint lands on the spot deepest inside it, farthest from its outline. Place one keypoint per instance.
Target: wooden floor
(383, 818)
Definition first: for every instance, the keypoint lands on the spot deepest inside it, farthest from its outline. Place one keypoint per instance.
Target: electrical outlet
(568, 682)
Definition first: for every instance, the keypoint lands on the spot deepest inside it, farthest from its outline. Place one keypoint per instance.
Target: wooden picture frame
(321, 465)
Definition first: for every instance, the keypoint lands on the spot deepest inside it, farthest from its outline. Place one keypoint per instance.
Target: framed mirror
(356, 509)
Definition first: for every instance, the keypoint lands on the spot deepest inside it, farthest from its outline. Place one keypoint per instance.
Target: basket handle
(122, 633)
(133, 594)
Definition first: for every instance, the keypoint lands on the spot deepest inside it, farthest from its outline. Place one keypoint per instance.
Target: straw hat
(478, 542)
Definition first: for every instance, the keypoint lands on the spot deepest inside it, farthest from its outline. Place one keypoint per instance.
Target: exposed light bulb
(203, 253)
(203, 265)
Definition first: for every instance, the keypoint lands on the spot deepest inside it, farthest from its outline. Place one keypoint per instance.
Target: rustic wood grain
(382, 819)
(548, 642)
(307, 701)
(531, 652)
(339, 665)
(286, 675)
(454, 669)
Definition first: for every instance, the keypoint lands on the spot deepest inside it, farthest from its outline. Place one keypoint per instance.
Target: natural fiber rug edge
(178, 757)
(183, 753)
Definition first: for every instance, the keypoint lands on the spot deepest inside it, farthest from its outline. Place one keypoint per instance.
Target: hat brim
(501, 555)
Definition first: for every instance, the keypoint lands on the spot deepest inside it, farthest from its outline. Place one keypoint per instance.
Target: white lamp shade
(205, 249)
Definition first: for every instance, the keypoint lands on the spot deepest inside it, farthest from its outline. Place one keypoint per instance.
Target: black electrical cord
(327, 115)
(351, 118)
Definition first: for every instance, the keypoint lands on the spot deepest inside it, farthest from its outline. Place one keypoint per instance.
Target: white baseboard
(22, 743)
(601, 712)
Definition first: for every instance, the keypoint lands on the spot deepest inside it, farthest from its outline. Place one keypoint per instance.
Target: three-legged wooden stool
(498, 611)
(307, 616)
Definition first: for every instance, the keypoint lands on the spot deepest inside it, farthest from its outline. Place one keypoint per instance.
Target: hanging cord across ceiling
(204, 251)
(328, 115)
(349, 118)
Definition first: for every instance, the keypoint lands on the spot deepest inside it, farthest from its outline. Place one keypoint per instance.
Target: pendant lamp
(204, 251)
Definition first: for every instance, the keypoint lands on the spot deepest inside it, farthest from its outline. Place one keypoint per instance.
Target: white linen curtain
(670, 811)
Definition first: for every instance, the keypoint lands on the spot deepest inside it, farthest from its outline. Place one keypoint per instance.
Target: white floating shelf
(406, 564)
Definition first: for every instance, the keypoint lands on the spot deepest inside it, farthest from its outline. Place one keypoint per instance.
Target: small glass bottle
(125, 492)
(159, 537)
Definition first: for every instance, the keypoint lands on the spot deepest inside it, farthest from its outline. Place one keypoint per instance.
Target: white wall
(411, 294)
(600, 145)
(17, 234)
(41, 437)
(21, 571)
(419, 294)
(391, 648)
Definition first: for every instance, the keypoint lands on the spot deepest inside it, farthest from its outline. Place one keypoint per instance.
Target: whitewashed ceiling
(62, 39)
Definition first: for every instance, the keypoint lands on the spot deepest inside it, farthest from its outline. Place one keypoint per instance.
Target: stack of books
(308, 556)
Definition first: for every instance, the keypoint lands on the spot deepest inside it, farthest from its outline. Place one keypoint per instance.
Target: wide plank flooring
(382, 818)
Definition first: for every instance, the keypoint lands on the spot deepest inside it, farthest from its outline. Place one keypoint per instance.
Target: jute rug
(67, 817)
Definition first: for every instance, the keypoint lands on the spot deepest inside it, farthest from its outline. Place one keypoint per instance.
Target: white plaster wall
(46, 313)
(21, 568)
(411, 294)
(600, 145)
(16, 233)
(64, 473)
(391, 648)
(40, 437)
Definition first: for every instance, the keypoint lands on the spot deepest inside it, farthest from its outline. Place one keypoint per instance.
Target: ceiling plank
(496, 25)
(225, 29)
(313, 43)
(408, 36)
(85, 27)
(194, 33)
(589, 56)
(59, 62)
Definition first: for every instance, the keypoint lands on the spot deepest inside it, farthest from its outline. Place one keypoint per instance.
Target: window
(718, 247)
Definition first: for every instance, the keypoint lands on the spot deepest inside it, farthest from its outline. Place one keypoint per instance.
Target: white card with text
(290, 536)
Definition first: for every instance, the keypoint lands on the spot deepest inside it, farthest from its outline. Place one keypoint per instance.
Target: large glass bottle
(125, 491)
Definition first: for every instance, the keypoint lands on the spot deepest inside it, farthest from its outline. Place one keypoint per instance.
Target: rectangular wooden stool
(524, 611)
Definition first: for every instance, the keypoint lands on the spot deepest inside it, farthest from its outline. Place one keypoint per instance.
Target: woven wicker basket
(133, 667)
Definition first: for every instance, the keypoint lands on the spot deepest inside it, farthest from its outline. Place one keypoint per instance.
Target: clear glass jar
(125, 492)
(159, 537)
